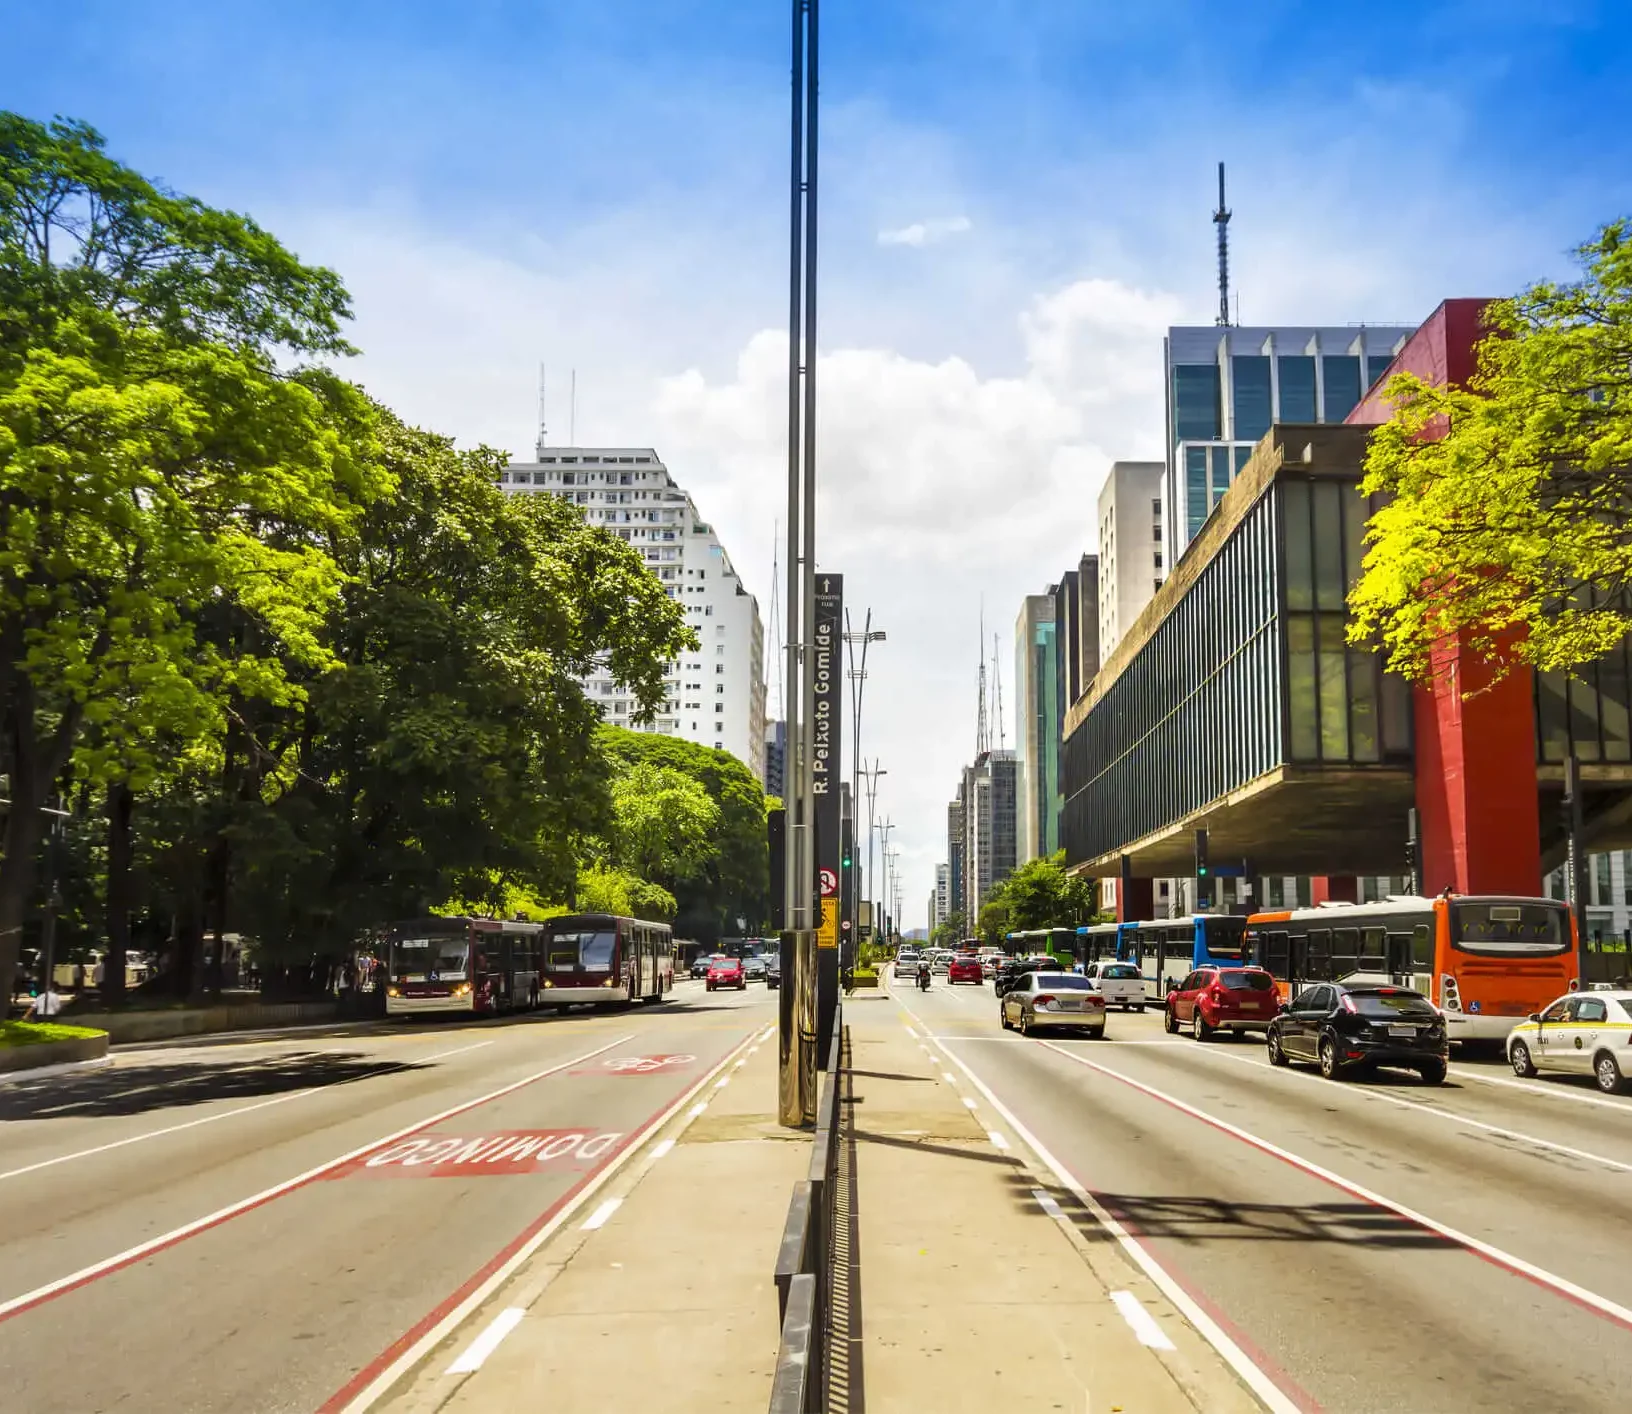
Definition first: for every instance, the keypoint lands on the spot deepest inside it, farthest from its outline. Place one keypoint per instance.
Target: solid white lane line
(1451, 1116)
(155, 1133)
(601, 1214)
(1561, 1092)
(1540, 1275)
(168, 1239)
(1143, 1323)
(443, 1055)
(661, 1148)
(1256, 1379)
(487, 1342)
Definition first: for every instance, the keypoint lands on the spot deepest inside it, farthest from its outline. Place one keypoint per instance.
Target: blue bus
(1167, 950)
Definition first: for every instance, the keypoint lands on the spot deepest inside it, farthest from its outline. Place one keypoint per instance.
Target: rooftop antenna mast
(543, 430)
(997, 688)
(983, 742)
(1221, 219)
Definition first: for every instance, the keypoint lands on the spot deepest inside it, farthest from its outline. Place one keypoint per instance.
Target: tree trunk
(113, 961)
(219, 866)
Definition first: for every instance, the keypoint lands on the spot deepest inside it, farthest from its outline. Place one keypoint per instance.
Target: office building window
(1297, 388)
(1221, 474)
(1195, 488)
(1249, 374)
(1376, 366)
(1342, 376)
(1196, 414)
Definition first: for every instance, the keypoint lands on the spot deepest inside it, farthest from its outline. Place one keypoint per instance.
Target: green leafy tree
(165, 460)
(664, 824)
(1040, 894)
(996, 920)
(734, 881)
(1508, 518)
(952, 929)
(603, 889)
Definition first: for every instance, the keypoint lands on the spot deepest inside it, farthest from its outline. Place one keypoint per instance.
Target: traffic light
(1201, 854)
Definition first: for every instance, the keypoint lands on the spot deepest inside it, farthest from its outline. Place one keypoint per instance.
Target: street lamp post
(858, 681)
(872, 774)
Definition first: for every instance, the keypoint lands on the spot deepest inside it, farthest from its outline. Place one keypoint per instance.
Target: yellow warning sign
(827, 932)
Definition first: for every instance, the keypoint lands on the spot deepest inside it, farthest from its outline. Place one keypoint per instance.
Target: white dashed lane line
(487, 1342)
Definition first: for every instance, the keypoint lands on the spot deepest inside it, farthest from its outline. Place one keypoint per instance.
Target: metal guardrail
(804, 1260)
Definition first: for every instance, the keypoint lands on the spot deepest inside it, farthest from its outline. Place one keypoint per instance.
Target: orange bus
(1487, 962)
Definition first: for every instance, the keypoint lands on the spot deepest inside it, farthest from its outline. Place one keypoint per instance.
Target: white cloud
(922, 233)
(942, 488)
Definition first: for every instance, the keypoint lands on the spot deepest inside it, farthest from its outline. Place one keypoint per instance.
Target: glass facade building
(1226, 386)
(1249, 671)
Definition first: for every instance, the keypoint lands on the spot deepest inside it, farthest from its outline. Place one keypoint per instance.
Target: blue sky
(600, 186)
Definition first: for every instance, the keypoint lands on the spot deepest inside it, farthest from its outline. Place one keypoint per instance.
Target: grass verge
(35, 1033)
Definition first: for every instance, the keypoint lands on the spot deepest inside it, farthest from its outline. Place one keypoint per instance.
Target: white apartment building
(940, 901)
(716, 693)
(1131, 566)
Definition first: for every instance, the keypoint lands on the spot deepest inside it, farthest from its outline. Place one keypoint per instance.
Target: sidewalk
(671, 1305)
(972, 1296)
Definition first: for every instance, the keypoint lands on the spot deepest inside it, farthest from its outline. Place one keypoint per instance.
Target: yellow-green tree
(1508, 519)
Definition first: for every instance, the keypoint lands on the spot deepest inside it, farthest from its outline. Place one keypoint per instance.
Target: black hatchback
(1351, 1028)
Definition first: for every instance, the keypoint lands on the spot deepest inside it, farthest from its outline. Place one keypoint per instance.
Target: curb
(43, 1072)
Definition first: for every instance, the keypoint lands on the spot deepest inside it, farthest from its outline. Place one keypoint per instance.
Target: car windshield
(1119, 970)
(1510, 929)
(727, 963)
(429, 959)
(581, 951)
(1390, 1004)
(1063, 982)
(1238, 979)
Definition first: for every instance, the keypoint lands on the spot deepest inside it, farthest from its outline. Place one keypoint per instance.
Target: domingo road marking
(30, 1299)
(376, 1379)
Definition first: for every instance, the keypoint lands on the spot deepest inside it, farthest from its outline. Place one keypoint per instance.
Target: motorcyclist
(923, 974)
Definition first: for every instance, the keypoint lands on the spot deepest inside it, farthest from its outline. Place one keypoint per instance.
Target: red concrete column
(1478, 815)
(1334, 888)
(1136, 902)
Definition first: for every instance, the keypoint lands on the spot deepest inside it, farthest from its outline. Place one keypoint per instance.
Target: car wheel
(1003, 1016)
(1139, 1007)
(1170, 1021)
(1199, 1027)
(1276, 1055)
(1607, 1073)
(1329, 1066)
(1433, 1073)
(1025, 1024)
(1096, 1033)
(1519, 1058)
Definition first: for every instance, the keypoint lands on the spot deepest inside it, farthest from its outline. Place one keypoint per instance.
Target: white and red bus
(601, 958)
(1487, 962)
(477, 965)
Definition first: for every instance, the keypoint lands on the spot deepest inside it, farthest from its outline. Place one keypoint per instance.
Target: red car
(726, 972)
(1213, 999)
(965, 967)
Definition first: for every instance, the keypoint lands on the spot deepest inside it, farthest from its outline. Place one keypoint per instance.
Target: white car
(906, 964)
(1582, 1033)
(1120, 983)
(940, 960)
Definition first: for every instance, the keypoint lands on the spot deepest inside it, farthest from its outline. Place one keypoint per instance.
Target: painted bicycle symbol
(645, 1065)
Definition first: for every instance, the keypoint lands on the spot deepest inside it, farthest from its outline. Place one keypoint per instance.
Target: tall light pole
(871, 775)
(858, 681)
(884, 828)
(796, 1045)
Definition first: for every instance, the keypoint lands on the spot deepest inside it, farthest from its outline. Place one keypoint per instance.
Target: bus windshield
(429, 959)
(582, 952)
(1509, 929)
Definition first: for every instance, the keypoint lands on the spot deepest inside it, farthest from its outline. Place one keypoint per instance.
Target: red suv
(1213, 999)
(727, 972)
(965, 967)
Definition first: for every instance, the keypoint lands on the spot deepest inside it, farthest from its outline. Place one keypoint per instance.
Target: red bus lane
(303, 1282)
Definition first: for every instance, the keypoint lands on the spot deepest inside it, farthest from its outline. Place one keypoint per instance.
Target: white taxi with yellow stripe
(1584, 1033)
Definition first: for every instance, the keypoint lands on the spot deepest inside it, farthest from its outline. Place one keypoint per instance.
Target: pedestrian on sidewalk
(46, 1005)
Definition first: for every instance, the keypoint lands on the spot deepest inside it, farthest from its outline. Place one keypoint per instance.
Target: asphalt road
(1377, 1245)
(224, 1226)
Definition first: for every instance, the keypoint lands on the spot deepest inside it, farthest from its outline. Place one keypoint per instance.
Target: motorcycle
(923, 979)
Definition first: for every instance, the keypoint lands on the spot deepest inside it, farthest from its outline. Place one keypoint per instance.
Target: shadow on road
(1195, 1221)
(137, 1089)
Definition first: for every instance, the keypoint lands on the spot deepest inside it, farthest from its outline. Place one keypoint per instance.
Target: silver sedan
(1053, 1000)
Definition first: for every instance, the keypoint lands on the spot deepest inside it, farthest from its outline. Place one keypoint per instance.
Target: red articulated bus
(600, 958)
(478, 965)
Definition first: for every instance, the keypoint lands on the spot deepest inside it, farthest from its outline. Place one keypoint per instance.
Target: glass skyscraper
(1225, 387)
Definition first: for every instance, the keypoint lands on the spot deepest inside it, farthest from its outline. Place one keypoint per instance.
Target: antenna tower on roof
(1221, 219)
